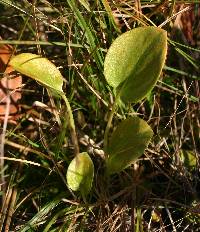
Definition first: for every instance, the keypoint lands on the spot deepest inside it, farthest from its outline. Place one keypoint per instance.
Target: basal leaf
(135, 60)
(80, 173)
(38, 68)
(127, 143)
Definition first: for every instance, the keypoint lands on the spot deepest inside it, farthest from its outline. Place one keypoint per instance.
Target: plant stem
(108, 126)
(71, 125)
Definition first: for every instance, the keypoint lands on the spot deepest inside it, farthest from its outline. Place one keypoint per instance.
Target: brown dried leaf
(8, 84)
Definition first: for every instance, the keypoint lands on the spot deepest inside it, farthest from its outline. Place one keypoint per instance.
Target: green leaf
(80, 173)
(134, 62)
(188, 158)
(127, 143)
(38, 68)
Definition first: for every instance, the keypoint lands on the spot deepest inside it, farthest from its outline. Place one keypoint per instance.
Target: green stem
(108, 126)
(71, 125)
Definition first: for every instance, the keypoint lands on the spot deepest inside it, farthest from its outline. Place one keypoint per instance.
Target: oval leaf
(38, 68)
(134, 62)
(80, 173)
(127, 143)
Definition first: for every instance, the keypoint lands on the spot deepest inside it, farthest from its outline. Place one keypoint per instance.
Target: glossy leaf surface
(39, 69)
(134, 62)
(127, 143)
(80, 173)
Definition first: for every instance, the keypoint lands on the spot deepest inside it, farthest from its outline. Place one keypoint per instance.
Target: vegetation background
(161, 191)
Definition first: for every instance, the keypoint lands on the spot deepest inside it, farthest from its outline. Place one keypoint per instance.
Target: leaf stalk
(71, 124)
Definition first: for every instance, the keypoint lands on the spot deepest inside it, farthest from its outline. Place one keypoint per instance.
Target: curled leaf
(39, 69)
(127, 144)
(80, 173)
(134, 62)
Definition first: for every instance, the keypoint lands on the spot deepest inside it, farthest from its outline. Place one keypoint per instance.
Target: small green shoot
(132, 67)
(188, 158)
